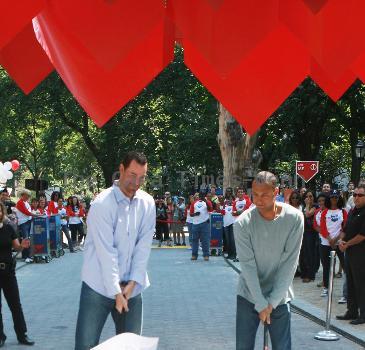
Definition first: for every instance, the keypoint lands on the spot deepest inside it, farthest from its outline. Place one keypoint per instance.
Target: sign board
(307, 169)
(36, 185)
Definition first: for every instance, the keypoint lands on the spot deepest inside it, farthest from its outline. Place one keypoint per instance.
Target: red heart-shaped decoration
(260, 83)
(103, 92)
(109, 30)
(224, 34)
(315, 5)
(15, 16)
(333, 88)
(25, 61)
(333, 36)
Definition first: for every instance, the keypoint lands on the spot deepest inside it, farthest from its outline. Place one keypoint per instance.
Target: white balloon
(9, 175)
(3, 179)
(7, 165)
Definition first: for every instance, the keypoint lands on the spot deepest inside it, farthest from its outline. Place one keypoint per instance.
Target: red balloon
(15, 165)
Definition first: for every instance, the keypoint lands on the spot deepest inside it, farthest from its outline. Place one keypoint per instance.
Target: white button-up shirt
(118, 241)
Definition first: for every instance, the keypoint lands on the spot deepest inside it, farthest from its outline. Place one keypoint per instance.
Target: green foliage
(310, 126)
(173, 121)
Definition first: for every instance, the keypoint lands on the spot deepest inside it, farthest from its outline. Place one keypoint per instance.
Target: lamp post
(360, 155)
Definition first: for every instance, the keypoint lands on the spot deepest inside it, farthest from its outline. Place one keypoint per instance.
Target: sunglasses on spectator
(358, 195)
(294, 197)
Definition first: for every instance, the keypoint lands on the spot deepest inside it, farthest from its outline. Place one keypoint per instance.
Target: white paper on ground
(128, 341)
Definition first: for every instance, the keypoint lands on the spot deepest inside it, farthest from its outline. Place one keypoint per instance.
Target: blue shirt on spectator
(118, 241)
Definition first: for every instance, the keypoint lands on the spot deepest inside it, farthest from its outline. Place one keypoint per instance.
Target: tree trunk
(238, 151)
(355, 163)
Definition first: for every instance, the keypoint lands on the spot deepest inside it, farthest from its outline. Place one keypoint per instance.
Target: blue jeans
(247, 322)
(93, 312)
(25, 233)
(201, 232)
(190, 230)
(66, 231)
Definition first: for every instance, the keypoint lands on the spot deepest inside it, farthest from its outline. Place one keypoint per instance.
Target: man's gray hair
(265, 177)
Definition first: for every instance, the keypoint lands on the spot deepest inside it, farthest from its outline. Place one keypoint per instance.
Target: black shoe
(359, 320)
(231, 257)
(2, 342)
(25, 340)
(347, 317)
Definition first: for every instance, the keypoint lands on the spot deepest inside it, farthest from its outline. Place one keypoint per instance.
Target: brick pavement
(190, 305)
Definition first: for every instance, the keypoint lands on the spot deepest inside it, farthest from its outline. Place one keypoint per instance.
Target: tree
(170, 117)
(352, 116)
(237, 150)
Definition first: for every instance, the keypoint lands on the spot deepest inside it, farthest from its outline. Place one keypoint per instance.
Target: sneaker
(324, 292)
(342, 300)
(28, 260)
(338, 275)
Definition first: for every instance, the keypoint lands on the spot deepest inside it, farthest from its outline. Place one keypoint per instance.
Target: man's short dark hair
(265, 177)
(139, 157)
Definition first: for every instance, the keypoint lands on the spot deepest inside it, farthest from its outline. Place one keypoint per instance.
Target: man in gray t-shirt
(268, 239)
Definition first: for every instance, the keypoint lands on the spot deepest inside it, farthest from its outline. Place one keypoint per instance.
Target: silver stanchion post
(327, 334)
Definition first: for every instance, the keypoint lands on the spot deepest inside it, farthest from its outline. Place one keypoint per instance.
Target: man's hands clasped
(121, 299)
(265, 314)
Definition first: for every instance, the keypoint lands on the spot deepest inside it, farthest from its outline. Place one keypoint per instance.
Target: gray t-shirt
(268, 252)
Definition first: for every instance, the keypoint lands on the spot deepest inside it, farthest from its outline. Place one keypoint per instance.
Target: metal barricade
(327, 334)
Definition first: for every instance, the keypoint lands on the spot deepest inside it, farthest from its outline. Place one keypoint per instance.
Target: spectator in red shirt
(53, 203)
(199, 211)
(75, 213)
(24, 214)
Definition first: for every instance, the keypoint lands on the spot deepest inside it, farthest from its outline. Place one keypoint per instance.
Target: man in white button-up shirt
(121, 224)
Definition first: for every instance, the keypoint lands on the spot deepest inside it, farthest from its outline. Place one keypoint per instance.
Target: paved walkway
(190, 305)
